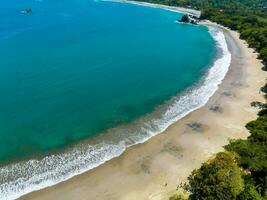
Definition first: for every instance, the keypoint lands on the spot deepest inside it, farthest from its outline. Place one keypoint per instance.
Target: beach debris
(144, 164)
(195, 126)
(26, 11)
(216, 108)
(237, 84)
(226, 94)
(145, 168)
(172, 149)
(258, 104)
(169, 147)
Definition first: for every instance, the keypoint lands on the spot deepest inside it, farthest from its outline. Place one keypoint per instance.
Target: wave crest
(27, 176)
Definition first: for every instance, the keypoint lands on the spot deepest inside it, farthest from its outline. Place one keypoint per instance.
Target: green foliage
(253, 153)
(185, 18)
(250, 193)
(249, 17)
(177, 197)
(219, 179)
(212, 180)
(222, 179)
(263, 112)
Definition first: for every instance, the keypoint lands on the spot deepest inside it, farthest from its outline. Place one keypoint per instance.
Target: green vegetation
(240, 173)
(253, 156)
(185, 19)
(177, 197)
(220, 178)
(248, 17)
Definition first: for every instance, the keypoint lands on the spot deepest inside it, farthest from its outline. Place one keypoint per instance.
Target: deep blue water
(72, 69)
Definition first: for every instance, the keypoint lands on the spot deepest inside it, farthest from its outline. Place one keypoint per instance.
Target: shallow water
(70, 71)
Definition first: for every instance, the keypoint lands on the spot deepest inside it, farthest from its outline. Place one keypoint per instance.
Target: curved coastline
(153, 170)
(161, 6)
(78, 158)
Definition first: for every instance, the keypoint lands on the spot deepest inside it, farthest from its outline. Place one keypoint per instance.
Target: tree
(177, 197)
(253, 152)
(218, 179)
(185, 19)
(250, 193)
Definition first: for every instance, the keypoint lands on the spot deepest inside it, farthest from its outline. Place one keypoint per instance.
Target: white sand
(154, 169)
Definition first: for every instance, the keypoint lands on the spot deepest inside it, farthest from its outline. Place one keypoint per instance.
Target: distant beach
(154, 5)
(99, 92)
(96, 87)
(154, 169)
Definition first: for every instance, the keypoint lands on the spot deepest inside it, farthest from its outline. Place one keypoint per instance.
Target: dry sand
(197, 13)
(153, 170)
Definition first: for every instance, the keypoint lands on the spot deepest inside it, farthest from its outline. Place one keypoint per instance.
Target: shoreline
(204, 90)
(40, 177)
(161, 6)
(166, 158)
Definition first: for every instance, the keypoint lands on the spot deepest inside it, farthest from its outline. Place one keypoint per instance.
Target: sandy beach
(154, 5)
(154, 169)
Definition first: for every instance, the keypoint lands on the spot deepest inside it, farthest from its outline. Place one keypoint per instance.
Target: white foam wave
(27, 176)
(160, 6)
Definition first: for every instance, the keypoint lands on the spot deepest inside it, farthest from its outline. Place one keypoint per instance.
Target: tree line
(240, 172)
(248, 17)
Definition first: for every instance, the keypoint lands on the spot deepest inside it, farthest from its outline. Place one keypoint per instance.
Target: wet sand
(154, 169)
(161, 6)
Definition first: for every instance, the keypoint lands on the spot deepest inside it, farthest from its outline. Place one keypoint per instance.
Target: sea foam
(27, 176)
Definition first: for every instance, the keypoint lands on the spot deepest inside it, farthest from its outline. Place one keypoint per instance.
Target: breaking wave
(27, 176)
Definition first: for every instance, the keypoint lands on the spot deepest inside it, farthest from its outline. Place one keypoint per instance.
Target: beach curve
(174, 120)
(167, 159)
(37, 174)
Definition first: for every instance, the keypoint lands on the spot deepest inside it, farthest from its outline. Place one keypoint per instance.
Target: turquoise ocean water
(102, 72)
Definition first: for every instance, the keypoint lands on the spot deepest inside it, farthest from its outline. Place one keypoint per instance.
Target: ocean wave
(27, 176)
